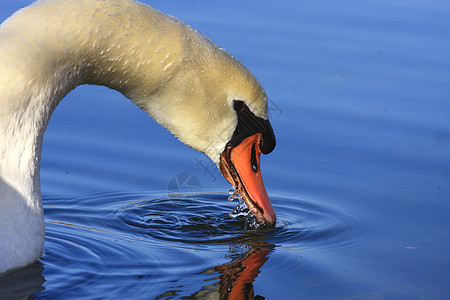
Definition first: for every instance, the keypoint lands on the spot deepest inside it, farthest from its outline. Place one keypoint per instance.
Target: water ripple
(99, 238)
(199, 219)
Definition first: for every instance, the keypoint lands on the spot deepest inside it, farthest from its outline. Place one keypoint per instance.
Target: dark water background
(360, 103)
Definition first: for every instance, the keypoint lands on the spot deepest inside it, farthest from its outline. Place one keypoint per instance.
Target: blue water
(360, 104)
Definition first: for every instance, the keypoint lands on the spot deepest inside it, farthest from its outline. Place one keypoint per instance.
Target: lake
(360, 178)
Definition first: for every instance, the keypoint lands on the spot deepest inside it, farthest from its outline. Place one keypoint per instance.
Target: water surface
(359, 179)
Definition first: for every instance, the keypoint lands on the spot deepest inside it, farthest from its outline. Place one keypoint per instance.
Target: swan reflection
(236, 277)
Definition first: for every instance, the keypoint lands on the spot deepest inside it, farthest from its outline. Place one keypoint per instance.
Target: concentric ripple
(205, 219)
(99, 238)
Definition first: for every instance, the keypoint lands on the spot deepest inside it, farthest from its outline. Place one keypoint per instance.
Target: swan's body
(175, 74)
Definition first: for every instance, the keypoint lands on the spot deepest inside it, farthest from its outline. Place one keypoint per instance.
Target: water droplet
(240, 210)
(234, 194)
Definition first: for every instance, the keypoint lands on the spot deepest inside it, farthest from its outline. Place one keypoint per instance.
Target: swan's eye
(253, 160)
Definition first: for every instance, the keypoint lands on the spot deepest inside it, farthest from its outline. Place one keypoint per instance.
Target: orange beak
(240, 166)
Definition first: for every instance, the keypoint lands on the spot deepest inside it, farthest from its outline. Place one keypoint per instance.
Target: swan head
(227, 119)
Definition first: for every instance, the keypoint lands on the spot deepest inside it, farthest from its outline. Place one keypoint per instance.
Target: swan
(189, 85)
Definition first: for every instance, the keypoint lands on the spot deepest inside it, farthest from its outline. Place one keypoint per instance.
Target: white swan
(189, 85)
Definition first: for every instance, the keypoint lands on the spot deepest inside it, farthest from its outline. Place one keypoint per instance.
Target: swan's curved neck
(175, 74)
